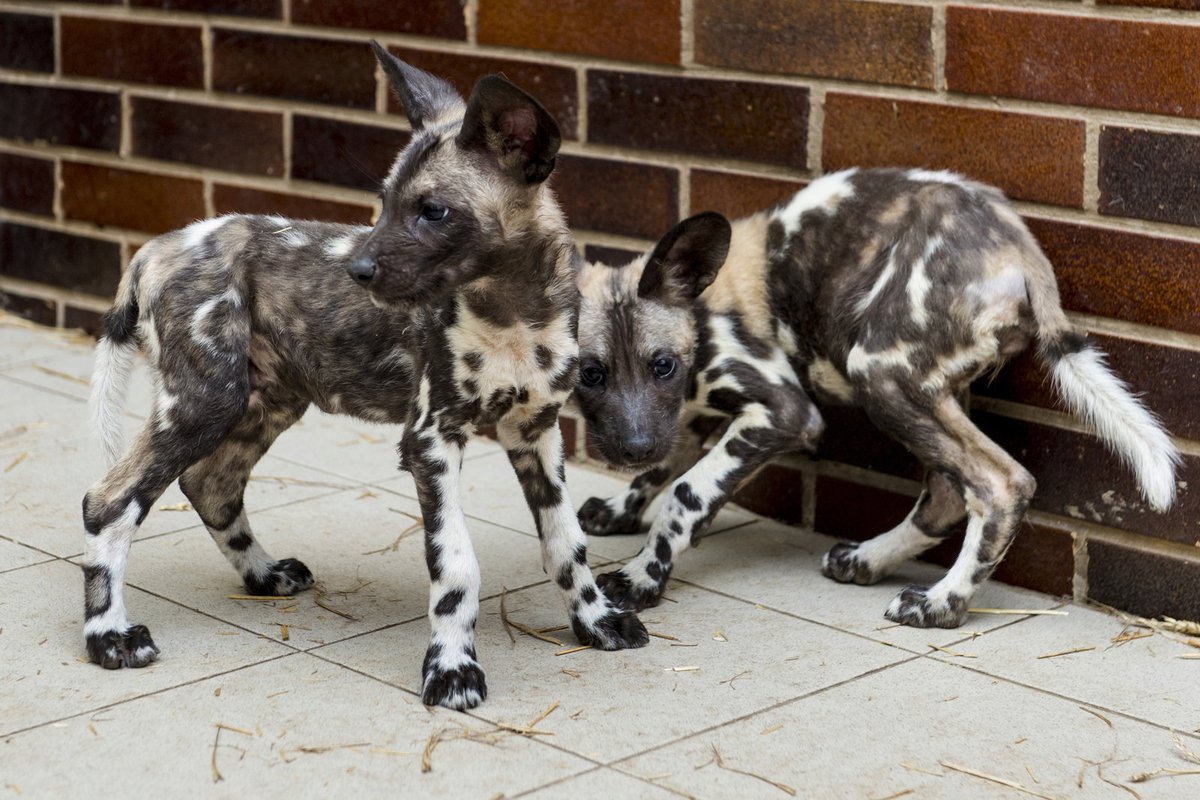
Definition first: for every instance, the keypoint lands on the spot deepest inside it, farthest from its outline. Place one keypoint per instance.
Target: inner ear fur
(512, 127)
(686, 260)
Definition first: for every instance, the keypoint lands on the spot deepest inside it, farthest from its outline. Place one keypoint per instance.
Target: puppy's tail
(1102, 400)
(114, 361)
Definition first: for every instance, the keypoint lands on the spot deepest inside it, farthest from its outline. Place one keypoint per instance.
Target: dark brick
(553, 86)
(568, 428)
(136, 52)
(1142, 582)
(66, 260)
(1130, 276)
(243, 200)
(617, 196)
(630, 30)
(776, 492)
(238, 8)
(851, 438)
(1183, 5)
(73, 117)
(84, 319)
(27, 184)
(27, 42)
(857, 512)
(613, 256)
(128, 199)
(1077, 477)
(736, 195)
(1030, 157)
(208, 136)
(1166, 377)
(443, 18)
(728, 119)
(875, 42)
(1101, 63)
(343, 153)
(1150, 175)
(294, 67)
(34, 309)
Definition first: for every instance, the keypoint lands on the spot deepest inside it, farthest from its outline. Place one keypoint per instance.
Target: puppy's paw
(287, 576)
(622, 591)
(616, 630)
(844, 564)
(597, 517)
(916, 607)
(113, 649)
(460, 688)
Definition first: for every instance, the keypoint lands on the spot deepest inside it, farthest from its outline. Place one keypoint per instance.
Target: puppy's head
(467, 185)
(637, 334)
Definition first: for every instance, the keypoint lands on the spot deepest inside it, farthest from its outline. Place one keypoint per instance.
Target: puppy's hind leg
(938, 510)
(216, 487)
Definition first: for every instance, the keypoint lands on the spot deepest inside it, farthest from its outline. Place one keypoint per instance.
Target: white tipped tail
(1104, 402)
(110, 380)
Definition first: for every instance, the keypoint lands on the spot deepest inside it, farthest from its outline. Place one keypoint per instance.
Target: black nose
(362, 269)
(637, 447)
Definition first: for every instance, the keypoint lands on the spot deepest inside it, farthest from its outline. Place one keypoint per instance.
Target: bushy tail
(110, 378)
(1102, 400)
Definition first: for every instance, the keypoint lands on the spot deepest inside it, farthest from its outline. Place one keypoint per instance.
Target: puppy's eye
(432, 212)
(591, 375)
(664, 367)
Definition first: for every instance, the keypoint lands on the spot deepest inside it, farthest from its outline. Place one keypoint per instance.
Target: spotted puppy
(885, 289)
(459, 309)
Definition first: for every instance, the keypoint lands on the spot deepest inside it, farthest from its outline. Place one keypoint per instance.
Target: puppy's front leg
(754, 437)
(451, 674)
(534, 447)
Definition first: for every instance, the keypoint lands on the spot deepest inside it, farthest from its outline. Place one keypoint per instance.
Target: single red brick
(90, 322)
(876, 42)
(340, 73)
(136, 52)
(208, 136)
(776, 492)
(629, 30)
(1143, 582)
(1030, 157)
(34, 309)
(1183, 5)
(343, 153)
(239, 8)
(67, 260)
(244, 200)
(73, 117)
(617, 196)
(727, 119)
(443, 18)
(1131, 276)
(27, 42)
(1102, 63)
(736, 195)
(129, 199)
(553, 86)
(27, 184)
(1150, 175)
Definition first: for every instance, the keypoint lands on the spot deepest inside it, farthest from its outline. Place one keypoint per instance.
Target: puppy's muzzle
(361, 269)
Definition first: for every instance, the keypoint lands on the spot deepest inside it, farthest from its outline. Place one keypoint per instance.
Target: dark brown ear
(686, 260)
(510, 125)
(423, 96)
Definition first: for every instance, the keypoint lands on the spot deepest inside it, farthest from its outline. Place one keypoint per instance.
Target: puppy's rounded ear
(686, 260)
(423, 96)
(512, 127)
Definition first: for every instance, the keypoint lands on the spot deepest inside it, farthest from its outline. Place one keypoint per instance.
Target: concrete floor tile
(14, 555)
(1144, 678)
(346, 539)
(615, 704)
(43, 664)
(887, 735)
(297, 727)
(22, 342)
(780, 566)
(601, 784)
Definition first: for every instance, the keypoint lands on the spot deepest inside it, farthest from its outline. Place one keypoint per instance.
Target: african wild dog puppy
(465, 314)
(885, 289)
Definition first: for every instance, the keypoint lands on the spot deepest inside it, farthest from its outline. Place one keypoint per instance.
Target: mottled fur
(466, 315)
(891, 290)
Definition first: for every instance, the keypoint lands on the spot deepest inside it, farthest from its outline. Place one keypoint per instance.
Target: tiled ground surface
(799, 684)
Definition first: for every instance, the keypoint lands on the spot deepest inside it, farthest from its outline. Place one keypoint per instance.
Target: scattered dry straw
(525, 629)
(1045, 612)
(974, 773)
(1097, 715)
(570, 650)
(1072, 651)
(20, 457)
(260, 598)
(720, 762)
(394, 546)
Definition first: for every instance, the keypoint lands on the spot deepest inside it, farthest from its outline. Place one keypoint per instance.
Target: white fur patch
(295, 238)
(342, 246)
(230, 296)
(885, 277)
(195, 234)
(825, 193)
(860, 362)
(110, 549)
(939, 176)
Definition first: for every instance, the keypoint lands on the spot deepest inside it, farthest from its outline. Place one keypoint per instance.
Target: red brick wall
(123, 118)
